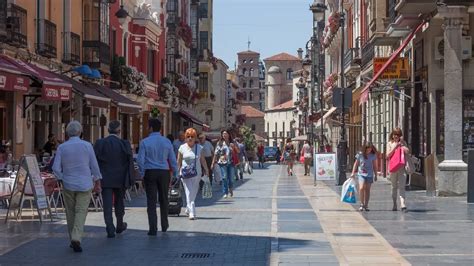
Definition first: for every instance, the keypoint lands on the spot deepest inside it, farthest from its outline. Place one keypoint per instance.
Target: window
(250, 83)
(244, 71)
(203, 7)
(244, 85)
(150, 65)
(203, 82)
(289, 73)
(251, 72)
(253, 127)
(251, 61)
(245, 61)
(251, 96)
(244, 95)
(203, 40)
(209, 115)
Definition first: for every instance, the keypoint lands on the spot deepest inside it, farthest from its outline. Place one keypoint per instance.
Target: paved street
(272, 219)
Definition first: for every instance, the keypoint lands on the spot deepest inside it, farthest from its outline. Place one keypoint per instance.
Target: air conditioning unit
(466, 45)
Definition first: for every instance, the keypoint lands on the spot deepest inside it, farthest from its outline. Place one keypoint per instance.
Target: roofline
(280, 110)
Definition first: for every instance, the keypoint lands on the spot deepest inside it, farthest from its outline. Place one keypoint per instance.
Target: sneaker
(192, 218)
(225, 196)
(231, 193)
(361, 208)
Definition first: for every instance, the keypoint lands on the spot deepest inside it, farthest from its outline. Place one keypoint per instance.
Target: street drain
(195, 255)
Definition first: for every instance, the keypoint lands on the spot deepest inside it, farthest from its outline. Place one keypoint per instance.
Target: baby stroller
(175, 197)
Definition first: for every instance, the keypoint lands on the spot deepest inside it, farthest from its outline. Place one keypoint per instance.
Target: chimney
(300, 53)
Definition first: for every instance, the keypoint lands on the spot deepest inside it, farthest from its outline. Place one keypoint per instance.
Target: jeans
(77, 205)
(157, 182)
(113, 196)
(227, 172)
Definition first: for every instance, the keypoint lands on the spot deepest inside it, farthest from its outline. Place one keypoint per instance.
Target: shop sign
(10, 82)
(398, 69)
(56, 93)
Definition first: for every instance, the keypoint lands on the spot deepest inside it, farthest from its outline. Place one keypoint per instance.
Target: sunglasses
(190, 137)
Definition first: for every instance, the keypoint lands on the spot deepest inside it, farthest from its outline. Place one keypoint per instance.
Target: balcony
(352, 61)
(16, 26)
(95, 44)
(47, 38)
(367, 54)
(72, 43)
(415, 7)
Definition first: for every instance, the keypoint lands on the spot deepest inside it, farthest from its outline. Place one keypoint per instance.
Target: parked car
(269, 153)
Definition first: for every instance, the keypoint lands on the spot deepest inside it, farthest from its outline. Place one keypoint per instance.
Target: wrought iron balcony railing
(47, 39)
(72, 45)
(16, 26)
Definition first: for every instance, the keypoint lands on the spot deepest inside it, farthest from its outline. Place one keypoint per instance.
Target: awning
(54, 88)
(126, 106)
(12, 78)
(259, 138)
(191, 118)
(365, 92)
(325, 117)
(91, 95)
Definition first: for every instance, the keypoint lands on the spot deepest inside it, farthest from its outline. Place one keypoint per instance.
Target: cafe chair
(96, 199)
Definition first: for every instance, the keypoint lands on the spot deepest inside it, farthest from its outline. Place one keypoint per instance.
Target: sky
(273, 26)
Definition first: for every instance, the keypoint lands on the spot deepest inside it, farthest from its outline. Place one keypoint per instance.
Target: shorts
(363, 179)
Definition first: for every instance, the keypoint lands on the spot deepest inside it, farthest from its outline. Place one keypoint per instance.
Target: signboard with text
(325, 166)
(398, 69)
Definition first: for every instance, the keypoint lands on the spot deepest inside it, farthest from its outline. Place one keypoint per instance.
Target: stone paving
(273, 219)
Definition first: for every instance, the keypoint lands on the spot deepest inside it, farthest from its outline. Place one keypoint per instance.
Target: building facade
(249, 78)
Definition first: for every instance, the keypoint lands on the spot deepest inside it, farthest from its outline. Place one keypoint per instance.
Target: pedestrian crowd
(108, 168)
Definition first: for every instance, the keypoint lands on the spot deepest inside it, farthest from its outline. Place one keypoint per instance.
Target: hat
(114, 126)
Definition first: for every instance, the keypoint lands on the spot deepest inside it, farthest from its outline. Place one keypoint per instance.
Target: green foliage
(248, 138)
(155, 112)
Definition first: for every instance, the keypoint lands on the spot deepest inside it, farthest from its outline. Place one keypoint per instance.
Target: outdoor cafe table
(6, 183)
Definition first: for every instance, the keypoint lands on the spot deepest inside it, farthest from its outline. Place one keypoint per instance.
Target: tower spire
(248, 44)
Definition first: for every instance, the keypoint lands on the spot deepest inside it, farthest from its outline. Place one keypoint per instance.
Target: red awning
(12, 78)
(54, 88)
(365, 92)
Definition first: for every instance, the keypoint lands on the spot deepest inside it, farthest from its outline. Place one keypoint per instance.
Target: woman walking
(261, 155)
(366, 165)
(397, 178)
(190, 161)
(289, 156)
(223, 157)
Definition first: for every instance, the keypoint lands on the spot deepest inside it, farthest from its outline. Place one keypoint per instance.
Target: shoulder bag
(190, 171)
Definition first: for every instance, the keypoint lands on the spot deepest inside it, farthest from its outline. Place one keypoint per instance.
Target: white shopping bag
(207, 188)
(349, 191)
(217, 173)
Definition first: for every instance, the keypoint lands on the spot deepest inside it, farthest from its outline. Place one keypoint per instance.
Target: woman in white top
(190, 155)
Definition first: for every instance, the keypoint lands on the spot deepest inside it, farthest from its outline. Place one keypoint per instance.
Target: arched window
(251, 72)
(250, 83)
(245, 61)
(289, 73)
(244, 71)
(244, 85)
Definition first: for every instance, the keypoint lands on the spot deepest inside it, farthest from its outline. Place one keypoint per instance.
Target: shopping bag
(217, 174)
(348, 193)
(207, 188)
(410, 165)
(397, 161)
(302, 159)
(247, 168)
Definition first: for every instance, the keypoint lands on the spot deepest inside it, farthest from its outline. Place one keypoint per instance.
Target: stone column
(453, 170)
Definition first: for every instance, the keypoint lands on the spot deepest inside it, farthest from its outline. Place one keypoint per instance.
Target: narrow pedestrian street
(272, 219)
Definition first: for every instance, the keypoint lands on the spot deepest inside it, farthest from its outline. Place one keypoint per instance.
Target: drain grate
(195, 255)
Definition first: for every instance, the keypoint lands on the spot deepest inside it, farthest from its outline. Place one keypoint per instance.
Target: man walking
(208, 152)
(76, 166)
(242, 159)
(155, 157)
(115, 159)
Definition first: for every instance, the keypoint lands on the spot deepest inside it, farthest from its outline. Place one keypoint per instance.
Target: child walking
(366, 166)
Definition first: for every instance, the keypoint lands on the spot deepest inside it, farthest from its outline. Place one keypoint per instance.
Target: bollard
(470, 177)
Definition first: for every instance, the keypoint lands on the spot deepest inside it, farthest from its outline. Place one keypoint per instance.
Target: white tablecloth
(6, 184)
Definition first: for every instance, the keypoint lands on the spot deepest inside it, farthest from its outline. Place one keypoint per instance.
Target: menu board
(325, 166)
(28, 172)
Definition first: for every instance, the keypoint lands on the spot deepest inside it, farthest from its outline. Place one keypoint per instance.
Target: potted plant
(248, 138)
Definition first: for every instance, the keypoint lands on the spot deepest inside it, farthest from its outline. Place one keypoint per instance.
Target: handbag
(397, 160)
(190, 171)
(410, 165)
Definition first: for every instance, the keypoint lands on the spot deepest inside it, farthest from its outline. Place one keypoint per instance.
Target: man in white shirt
(208, 152)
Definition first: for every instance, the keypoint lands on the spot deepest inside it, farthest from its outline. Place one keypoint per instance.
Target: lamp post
(342, 146)
(121, 14)
(318, 9)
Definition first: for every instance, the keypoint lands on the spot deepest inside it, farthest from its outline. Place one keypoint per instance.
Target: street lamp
(318, 8)
(342, 146)
(121, 14)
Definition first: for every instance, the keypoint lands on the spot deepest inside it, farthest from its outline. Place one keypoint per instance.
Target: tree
(248, 138)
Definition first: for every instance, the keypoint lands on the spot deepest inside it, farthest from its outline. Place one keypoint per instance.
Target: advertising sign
(398, 69)
(325, 166)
